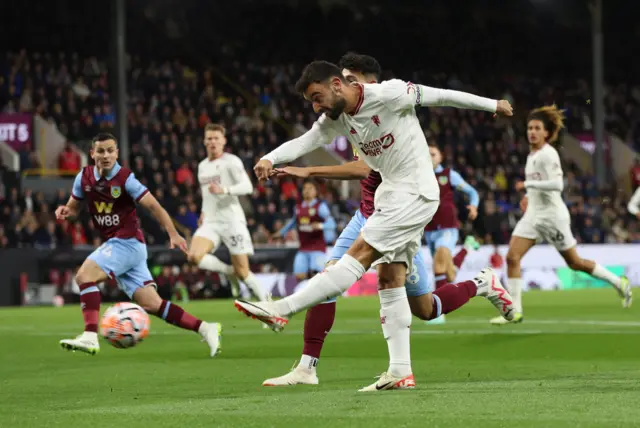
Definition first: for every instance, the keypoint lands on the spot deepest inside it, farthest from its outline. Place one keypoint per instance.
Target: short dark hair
(103, 136)
(360, 63)
(317, 72)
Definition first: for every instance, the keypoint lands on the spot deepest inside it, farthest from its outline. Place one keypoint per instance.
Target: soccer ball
(125, 324)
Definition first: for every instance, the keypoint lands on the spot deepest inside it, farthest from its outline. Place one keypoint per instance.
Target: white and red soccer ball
(125, 324)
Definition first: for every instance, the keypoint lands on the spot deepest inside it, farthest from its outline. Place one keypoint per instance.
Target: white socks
(308, 362)
(254, 285)
(515, 289)
(605, 274)
(395, 316)
(214, 264)
(334, 281)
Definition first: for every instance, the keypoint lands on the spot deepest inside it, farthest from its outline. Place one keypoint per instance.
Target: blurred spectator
(69, 159)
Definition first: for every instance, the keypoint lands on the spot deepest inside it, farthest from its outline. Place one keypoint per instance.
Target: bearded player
(311, 218)
(222, 179)
(380, 121)
(111, 192)
(546, 216)
(442, 231)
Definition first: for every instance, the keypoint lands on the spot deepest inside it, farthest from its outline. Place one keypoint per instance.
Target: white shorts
(556, 232)
(396, 227)
(235, 236)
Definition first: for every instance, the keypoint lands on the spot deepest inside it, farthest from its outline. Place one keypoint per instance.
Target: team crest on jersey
(443, 180)
(116, 191)
(375, 119)
(312, 211)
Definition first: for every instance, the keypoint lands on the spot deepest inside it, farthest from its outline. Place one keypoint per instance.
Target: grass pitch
(574, 362)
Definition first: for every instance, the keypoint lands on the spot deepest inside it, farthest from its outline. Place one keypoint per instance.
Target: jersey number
(236, 240)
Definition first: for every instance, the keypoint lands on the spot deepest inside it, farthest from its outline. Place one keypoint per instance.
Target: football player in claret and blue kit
(111, 193)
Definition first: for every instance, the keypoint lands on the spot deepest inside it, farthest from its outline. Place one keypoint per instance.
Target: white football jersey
(544, 164)
(226, 171)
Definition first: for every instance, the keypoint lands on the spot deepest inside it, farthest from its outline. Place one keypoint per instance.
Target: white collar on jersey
(112, 173)
(308, 204)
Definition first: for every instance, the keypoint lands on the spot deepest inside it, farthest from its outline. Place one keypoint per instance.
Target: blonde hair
(551, 117)
(215, 127)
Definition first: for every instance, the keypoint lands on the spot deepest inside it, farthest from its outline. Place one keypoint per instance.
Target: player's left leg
(558, 233)
(238, 241)
(619, 283)
(89, 274)
(429, 305)
(140, 286)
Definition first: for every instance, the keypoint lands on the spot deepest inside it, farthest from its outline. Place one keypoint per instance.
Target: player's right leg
(523, 238)
(319, 319)
(89, 274)
(202, 245)
(395, 318)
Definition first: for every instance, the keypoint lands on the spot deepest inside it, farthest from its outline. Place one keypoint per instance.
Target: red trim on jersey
(360, 100)
(142, 196)
(76, 198)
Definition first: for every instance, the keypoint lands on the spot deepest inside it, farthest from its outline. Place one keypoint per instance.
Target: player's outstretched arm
(356, 170)
(162, 216)
(404, 95)
(321, 133)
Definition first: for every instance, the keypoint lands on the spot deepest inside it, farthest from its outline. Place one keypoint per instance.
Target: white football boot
(489, 286)
(86, 342)
(211, 333)
(503, 321)
(297, 376)
(387, 381)
(263, 312)
(627, 295)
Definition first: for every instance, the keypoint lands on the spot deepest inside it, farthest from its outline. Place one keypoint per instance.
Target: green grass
(574, 362)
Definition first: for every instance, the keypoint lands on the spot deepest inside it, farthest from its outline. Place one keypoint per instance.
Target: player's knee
(301, 276)
(513, 259)
(576, 264)
(85, 275)
(386, 282)
(194, 257)
(439, 267)
(150, 303)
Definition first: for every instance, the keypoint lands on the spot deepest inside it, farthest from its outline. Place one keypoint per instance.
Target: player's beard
(337, 109)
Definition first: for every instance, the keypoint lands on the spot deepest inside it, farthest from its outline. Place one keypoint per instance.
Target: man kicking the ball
(382, 126)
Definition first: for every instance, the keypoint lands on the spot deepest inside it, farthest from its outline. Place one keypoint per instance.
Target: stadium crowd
(169, 102)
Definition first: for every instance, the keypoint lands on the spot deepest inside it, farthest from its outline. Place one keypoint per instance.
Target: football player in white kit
(222, 179)
(546, 216)
(381, 123)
